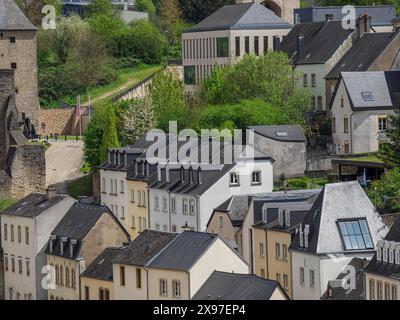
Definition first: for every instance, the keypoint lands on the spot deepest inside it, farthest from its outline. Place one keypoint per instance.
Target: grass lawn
(371, 158)
(82, 186)
(303, 183)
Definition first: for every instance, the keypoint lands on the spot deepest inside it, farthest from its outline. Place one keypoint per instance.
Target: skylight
(281, 133)
(355, 234)
(368, 96)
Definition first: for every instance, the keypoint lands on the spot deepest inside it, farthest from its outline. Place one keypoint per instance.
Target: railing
(57, 137)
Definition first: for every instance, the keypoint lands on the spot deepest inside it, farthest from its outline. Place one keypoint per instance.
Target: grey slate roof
(337, 201)
(296, 217)
(233, 286)
(383, 85)
(12, 18)
(363, 53)
(339, 293)
(33, 205)
(246, 16)
(183, 251)
(236, 207)
(294, 133)
(101, 267)
(144, 247)
(381, 15)
(321, 41)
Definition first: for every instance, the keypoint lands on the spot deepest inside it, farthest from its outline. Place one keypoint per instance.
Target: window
(26, 235)
(368, 96)
(355, 234)
(138, 278)
(261, 249)
(305, 80)
(190, 75)
(156, 203)
(13, 65)
(106, 294)
(5, 232)
(237, 46)
(265, 44)
(173, 205)
(87, 293)
(61, 275)
(346, 124)
(277, 251)
(143, 198)
(185, 206)
(379, 290)
(278, 277)
(133, 222)
(394, 292)
(164, 204)
(223, 47)
(246, 44)
(73, 279)
(387, 291)
(122, 212)
(20, 265)
(333, 124)
(221, 222)
(284, 252)
(192, 207)
(256, 46)
(319, 103)
(312, 279)
(371, 289)
(101, 294)
(103, 185)
(346, 147)
(12, 39)
(163, 287)
(313, 80)
(5, 262)
(132, 195)
(122, 275)
(234, 179)
(140, 224)
(342, 101)
(382, 123)
(285, 282)
(12, 232)
(176, 285)
(121, 186)
(256, 177)
(302, 276)
(28, 267)
(313, 101)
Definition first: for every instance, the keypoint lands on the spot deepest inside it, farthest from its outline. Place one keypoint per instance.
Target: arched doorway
(273, 6)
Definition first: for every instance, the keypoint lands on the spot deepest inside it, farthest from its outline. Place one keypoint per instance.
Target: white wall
(308, 262)
(129, 291)
(319, 89)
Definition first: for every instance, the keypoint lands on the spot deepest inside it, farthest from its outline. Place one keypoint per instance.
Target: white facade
(200, 207)
(23, 244)
(356, 131)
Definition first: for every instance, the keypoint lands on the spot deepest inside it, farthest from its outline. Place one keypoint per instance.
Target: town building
(286, 144)
(382, 274)
(18, 52)
(97, 279)
(382, 15)
(25, 229)
(361, 108)
(372, 52)
(81, 235)
(184, 195)
(342, 224)
(233, 286)
(225, 36)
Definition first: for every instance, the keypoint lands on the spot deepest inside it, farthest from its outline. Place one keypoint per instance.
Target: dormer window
(355, 234)
(287, 218)
(301, 235)
(280, 217)
(397, 254)
(264, 214)
(306, 232)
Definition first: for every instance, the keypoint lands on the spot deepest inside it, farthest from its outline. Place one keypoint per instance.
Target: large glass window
(223, 47)
(355, 234)
(190, 75)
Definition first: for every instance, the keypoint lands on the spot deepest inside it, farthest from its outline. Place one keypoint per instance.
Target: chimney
(300, 48)
(51, 191)
(364, 24)
(276, 43)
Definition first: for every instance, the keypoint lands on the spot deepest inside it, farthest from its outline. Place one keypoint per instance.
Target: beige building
(18, 52)
(381, 275)
(97, 279)
(25, 229)
(84, 232)
(225, 36)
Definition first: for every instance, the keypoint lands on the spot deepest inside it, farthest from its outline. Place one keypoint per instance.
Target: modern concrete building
(342, 224)
(81, 235)
(224, 37)
(26, 227)
(360, 109)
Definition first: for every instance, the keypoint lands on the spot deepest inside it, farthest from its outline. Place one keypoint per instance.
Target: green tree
(101, 7)
(390, 151)
(386, 191)
(197, 10)
(146, 6)
(106, 25)
(110, 135)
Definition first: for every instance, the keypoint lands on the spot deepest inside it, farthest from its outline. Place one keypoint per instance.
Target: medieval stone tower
(282, 8)
(18, 52)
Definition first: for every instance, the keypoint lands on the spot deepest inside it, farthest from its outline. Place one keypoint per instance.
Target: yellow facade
(95, 289)
(271, 256)
(138, 211)
(221, 224)
(381, 288)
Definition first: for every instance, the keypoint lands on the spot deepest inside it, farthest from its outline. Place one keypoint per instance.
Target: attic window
(367, 96)
(355, 234)
(281, 133)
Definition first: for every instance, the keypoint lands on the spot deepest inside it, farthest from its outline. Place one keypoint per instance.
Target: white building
(225, 36)
(184, 196)
(360, 110)
(342, 224)
(26, 227)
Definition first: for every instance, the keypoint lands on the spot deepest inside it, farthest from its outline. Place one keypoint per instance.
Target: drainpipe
(266, 253)
(198, 213)
(147, 281)
(351, 132)
(189, 288)
(169, 210)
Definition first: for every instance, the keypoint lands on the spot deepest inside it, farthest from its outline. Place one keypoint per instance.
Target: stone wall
(27, 172)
